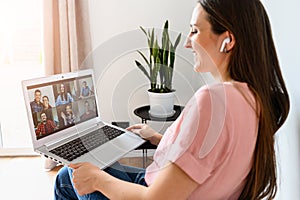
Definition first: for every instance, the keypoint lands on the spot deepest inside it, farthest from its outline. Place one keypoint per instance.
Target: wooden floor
(24, 178)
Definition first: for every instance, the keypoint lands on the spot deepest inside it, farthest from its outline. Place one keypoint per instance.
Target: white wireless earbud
(225, 41)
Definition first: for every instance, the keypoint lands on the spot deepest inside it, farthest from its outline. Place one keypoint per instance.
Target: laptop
(65, 121)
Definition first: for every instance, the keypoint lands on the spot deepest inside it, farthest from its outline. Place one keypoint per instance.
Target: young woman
(222, 145)
(64, 96)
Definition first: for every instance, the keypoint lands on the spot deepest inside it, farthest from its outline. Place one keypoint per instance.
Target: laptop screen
(60, 104)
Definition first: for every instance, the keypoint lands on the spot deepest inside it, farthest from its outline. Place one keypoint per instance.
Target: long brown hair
(254, 61)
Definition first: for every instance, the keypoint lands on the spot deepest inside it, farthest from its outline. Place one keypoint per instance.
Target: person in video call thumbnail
(64, 97)
(85, 90)
(36, 106)
(45, 127)
(89, 113)
(47, 108)
(69, 116)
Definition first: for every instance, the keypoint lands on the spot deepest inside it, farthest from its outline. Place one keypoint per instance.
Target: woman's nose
(188, 43)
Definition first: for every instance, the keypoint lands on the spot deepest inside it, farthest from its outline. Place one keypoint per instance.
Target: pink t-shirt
(213, 141)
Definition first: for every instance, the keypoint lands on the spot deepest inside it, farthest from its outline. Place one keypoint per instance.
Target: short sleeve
(195, 148)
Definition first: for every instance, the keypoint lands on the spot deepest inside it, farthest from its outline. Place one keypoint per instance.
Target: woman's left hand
(85, 177)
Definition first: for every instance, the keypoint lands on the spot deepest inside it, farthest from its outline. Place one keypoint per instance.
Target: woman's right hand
(146, 132)
(142, 130)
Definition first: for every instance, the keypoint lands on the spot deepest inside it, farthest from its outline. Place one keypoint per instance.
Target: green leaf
(142, 68)
(156, 67)
(177, 41)
(166, 26)
(144, 58)
(144, 31)
(151, 43)
(155, 51)
(165, 37)
(165, 49)
(172, 56)
(162, 75)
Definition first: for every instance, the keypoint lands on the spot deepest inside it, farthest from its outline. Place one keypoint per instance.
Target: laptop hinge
(100, 123)
(53, 144)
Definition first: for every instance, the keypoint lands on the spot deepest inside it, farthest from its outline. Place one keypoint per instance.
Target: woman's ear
(230, 44)
(227, 43)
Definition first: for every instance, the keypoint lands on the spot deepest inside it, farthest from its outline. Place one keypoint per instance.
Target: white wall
(284, 18)
(115, 38)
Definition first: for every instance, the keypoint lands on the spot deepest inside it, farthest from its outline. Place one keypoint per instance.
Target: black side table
(143, 113)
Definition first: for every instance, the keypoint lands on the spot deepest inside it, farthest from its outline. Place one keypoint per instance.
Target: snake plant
(160, 62)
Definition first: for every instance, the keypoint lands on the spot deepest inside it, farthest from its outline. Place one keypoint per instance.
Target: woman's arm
(70, 98)
(155, 139)
(58, 101)
(172, 183)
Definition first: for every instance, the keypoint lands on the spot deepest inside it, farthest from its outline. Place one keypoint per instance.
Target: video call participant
(69, 116)
(64, 97)
(45, 127)
(85, 90)
(89, 113)
(36, 106)
(47, 108)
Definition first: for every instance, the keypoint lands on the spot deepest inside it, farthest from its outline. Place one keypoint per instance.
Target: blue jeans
(64, 189)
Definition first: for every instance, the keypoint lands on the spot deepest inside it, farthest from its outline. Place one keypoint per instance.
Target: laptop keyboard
(86, 143)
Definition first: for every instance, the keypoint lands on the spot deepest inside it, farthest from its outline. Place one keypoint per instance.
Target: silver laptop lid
(58, 106)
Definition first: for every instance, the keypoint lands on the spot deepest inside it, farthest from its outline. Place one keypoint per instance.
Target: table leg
(144, 121)
(144, 158)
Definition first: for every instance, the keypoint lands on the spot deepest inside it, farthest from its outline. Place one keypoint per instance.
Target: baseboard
(17, 152)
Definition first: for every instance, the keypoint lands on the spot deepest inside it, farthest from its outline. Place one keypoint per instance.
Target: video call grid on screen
(75, 106)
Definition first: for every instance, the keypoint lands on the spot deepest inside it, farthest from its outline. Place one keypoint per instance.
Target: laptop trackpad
(108, 154)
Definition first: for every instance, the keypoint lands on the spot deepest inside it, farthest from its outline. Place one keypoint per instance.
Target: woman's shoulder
(218, 85)
(222, 88)
(210, 90)
(225, 91)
